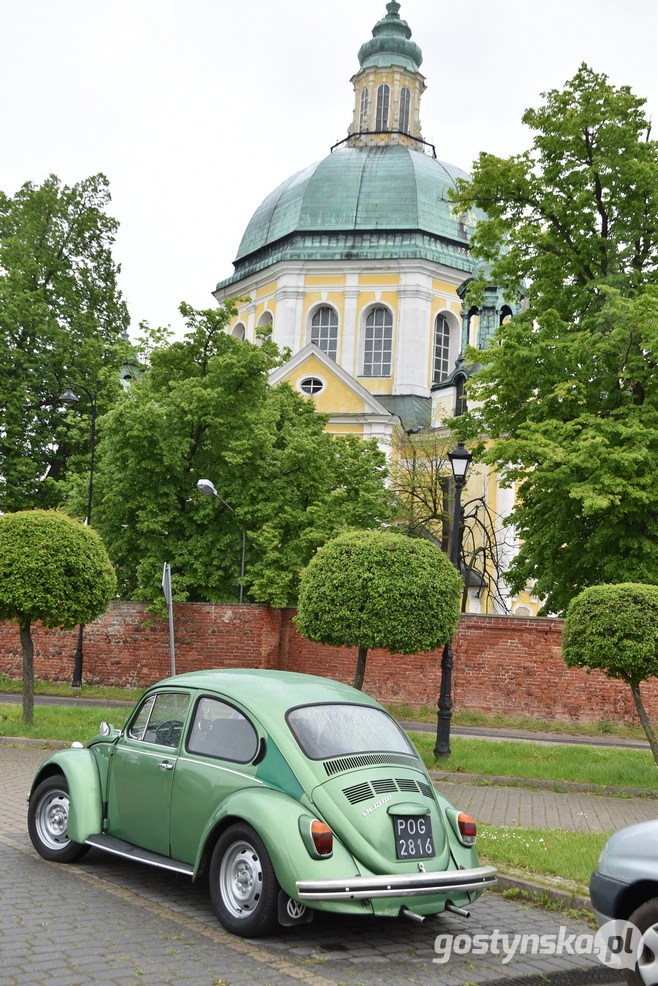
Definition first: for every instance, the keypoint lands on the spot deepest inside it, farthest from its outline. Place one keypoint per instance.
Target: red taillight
(323, 838)
(467, 828)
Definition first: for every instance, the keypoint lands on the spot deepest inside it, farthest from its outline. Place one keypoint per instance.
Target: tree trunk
(644, 720)
(28, 671)
(360, 668)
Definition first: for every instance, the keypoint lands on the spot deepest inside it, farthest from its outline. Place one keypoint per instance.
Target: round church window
(311, 386)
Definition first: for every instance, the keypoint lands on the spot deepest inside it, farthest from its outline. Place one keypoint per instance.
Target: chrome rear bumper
(445, 882)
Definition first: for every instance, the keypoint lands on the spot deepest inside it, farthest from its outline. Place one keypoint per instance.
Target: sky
(196, 109)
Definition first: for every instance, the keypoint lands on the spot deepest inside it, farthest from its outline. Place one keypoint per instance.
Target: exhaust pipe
(417, 918)
(457, 910)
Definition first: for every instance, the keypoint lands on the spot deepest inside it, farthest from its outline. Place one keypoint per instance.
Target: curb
(38, 744)
(563, 898)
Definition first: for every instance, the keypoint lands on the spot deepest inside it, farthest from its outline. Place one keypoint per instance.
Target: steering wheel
(167, 733)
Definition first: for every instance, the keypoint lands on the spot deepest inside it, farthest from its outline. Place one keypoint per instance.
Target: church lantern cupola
(388, 86)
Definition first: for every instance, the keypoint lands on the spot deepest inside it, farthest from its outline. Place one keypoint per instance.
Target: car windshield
(335, 730)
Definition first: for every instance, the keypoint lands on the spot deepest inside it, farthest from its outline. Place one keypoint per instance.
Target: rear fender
(81, 773)
(275, 817)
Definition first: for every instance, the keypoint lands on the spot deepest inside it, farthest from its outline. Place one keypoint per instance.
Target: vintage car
(293, 793)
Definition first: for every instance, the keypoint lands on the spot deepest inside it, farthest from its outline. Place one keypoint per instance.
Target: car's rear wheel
(48, 820)
(645, 919)
(243, 886)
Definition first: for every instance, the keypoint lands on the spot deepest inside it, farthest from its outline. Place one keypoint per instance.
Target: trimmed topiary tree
(52, 569)
(614, 628)
(379, 589)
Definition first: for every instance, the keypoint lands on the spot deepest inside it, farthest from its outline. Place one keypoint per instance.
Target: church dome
(376, 202)
(381, 194)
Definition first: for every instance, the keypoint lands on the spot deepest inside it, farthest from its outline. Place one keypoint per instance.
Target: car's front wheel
(243, 887)
(48, 820)
(645, 919)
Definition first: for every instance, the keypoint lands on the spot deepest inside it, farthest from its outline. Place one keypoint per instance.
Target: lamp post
(205, 486)
(70, 398)
(460, 460)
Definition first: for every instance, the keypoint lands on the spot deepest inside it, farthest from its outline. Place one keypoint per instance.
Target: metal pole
(442, 747)
(76, 681)
(244, 546)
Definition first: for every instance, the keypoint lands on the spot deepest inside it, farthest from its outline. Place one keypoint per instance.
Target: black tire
(47, 822)
(243, 887)
(645, 919)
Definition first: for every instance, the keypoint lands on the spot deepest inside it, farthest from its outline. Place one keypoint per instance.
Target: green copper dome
(390, 44)
(359, 203)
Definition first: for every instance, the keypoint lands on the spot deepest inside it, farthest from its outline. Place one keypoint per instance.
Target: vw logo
(295, 909)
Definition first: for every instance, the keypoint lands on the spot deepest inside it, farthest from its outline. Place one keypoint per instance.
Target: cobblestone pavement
(544, 809)
(114, 923)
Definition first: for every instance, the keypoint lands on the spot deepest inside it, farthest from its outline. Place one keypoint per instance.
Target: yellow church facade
(359, 265)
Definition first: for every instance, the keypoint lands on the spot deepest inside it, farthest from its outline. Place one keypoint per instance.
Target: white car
(625, 887)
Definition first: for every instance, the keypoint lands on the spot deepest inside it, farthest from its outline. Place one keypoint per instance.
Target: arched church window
(264, 327)
(363, 121)
(378, 343)
(441, 349)
(238, 331)
(324, 330)
(383, 97)
(505, 314)
(405, 103)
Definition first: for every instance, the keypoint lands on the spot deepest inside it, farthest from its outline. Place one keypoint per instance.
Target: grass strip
(58, 722)
(600, 766)
(63, 688)
(571, 856)
(470, 717)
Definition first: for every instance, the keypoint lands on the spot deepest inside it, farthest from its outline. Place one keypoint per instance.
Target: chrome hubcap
(647, 965)
(241, 879)
(52, 819)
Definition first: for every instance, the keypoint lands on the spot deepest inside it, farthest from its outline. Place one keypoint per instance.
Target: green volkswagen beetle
(294, 793)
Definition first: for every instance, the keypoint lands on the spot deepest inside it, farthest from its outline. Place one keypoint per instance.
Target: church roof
(375, 202)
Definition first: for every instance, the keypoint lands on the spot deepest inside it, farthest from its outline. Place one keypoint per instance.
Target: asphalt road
(113, 923)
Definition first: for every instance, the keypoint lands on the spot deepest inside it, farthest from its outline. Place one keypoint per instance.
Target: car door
(220, 748)
(142, 770)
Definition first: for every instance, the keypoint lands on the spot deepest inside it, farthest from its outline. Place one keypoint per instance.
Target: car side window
(219, 730)
(160, 719)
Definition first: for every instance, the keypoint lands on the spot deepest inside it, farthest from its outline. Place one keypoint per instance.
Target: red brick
(502, 664)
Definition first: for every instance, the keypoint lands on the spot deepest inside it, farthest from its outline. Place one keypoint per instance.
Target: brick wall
(502, 664)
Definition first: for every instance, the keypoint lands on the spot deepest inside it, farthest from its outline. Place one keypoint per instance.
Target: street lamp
(206, 487)
(70, 398)
(460, 460)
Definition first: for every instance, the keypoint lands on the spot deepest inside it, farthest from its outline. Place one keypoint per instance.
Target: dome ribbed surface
(359, 202)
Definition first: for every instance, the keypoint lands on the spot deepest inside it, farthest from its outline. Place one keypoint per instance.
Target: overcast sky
(197, 109)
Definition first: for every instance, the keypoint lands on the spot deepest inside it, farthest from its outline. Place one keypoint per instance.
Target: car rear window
(336, 730)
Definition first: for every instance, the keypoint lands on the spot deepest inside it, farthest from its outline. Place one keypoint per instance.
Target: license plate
(413, 837)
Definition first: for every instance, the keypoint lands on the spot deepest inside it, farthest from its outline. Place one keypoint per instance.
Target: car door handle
(165, 765)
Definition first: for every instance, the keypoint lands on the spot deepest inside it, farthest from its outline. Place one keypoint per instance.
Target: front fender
(81, 772)
(275, 817)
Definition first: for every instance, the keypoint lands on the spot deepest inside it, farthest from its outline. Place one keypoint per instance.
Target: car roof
(268, 691)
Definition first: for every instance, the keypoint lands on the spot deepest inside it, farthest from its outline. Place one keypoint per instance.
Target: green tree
(62, 319)
(379, 589)
(614, 628)
(204, 408)
(566, 404)
(52, 569)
